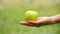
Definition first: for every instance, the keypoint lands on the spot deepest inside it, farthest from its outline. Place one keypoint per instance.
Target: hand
(39, 22)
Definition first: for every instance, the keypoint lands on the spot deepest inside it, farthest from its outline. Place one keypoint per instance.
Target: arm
(50, 20)
(55, 19)
(41, 21)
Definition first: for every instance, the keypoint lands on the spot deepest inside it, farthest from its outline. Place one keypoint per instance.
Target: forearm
(55, 19)
(51, 20)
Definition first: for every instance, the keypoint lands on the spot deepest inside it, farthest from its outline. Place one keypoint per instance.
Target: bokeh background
(12, 12)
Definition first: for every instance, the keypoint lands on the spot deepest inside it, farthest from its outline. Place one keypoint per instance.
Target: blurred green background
(12, 12)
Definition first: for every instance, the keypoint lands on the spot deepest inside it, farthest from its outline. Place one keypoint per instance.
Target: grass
(10, 18)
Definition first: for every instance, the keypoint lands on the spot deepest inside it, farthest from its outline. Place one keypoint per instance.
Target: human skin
(41, 21)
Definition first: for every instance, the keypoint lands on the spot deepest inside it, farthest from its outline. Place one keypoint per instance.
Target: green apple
(31, 16)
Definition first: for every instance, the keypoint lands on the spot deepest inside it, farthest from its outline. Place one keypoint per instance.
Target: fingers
(26, 23)
(23, 22)
(29, 23)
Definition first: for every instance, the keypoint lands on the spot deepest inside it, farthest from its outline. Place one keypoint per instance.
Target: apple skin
(31, 16)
